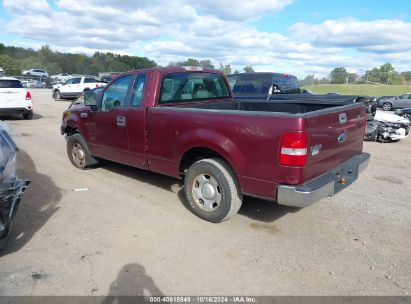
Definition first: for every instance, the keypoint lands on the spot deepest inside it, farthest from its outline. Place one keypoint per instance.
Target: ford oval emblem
(342, 138)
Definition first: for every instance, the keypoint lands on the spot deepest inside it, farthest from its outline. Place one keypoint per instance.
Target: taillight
(293, 149)
(28, 95)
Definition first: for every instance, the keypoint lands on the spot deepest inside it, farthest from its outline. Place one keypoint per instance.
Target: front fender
(72, 119)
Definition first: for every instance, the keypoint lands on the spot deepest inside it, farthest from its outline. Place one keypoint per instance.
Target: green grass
(360, 89)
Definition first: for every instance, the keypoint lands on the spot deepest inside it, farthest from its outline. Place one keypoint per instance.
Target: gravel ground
(130, 232)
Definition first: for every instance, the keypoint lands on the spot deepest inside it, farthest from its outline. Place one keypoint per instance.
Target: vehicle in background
(2, 74)
(402, 101)
(183, 122)
(387, 127)
(62, 77)
(406, 113)
(14, 99)
(381, 98)
(11, 187)
(278, 87)
(35, 72)
(73, 87)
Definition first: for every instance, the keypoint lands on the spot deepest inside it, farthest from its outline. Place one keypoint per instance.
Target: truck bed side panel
(248, 142)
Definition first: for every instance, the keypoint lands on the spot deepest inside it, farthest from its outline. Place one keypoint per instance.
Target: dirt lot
(131, 233)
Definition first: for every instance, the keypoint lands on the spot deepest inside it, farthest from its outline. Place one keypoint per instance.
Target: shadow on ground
(253, 208)
(38, 204)
(132, 280)
(19, 117)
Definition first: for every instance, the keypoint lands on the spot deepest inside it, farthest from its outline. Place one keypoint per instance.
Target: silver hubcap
(206, 192)
(78, 154)
(386, 107)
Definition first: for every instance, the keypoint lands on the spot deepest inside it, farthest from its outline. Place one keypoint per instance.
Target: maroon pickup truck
(182, 122)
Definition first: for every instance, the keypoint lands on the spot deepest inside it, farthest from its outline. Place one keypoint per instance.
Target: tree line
(385, 74)
(16, 59)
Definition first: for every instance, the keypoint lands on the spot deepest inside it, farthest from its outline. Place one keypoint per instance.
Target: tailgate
(12, 98)
(334, 137)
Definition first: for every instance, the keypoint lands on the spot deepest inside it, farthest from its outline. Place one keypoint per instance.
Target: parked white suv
(73, 87)
(14, 99)
(35, 72)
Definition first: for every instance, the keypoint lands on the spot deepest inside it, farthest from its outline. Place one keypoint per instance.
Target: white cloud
(23, 6)
(218, 30)
(367, 36)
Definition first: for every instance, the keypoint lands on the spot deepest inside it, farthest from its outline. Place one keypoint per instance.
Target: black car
(11, 187)
(406, 113)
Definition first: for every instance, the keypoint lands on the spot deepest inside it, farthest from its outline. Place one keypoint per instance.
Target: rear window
(258, 84)
(6, 84)
(286, 84)
(185, 87)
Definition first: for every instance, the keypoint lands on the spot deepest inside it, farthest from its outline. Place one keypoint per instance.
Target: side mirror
(91, 101)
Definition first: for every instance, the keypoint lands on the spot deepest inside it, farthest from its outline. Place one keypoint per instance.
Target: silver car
(35, 72)
(399, 102)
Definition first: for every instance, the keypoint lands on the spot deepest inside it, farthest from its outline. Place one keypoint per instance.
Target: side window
(138, 90)
(69, 81)
(186, 87)
(115, 95)
(76, 80)
(89, 80)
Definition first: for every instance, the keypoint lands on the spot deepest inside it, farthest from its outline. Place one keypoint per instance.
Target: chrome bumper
(327, 184)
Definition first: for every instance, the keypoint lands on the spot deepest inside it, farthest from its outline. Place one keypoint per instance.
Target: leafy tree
(92, 69)
(225, 68)
(407, 76)
(352, 77)
(339, 75)
(236, 72)
(9, 65)
(248, 69)
(118, 66)
(193, 62)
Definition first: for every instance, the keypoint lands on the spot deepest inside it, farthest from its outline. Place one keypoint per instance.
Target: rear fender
(214, 141)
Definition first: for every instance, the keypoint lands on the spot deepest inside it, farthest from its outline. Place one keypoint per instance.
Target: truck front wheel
(79, 153)
(212, 190)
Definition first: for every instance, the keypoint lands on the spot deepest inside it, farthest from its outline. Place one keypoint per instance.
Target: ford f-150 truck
(183, 122)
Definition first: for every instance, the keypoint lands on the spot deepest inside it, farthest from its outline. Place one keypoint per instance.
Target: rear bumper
(327, 184)
(10, 111)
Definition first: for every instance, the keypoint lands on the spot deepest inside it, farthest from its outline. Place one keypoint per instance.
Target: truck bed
(287, 107)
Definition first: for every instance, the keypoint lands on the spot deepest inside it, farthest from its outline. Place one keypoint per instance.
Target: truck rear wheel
(212, 190)
(79, 153)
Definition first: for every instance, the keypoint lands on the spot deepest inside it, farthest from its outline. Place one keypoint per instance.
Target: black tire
(78, 152)
(386, 106)
(225, 198)
(28, 115)
(57, 95)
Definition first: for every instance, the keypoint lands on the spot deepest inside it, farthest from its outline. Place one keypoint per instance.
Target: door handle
(83, 115)
(121, 121)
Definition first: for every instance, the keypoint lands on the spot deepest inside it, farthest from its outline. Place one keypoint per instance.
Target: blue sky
(294, 36)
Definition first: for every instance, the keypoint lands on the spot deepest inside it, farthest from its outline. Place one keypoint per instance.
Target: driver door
(108, 134)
